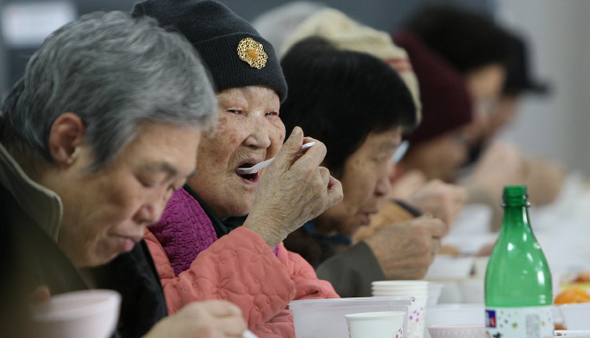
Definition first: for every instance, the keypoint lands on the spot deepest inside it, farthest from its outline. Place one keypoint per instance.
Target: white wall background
(559, 41)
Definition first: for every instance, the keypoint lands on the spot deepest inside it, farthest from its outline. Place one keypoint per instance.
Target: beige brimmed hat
(345, 33)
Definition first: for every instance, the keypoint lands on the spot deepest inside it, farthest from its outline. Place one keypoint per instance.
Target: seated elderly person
(93, 141)
(413, 193)
(438, 146)
(359, 106)
(203, 248)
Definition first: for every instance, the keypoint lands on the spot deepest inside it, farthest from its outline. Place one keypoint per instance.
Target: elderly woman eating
(203, 247)
(359, 106)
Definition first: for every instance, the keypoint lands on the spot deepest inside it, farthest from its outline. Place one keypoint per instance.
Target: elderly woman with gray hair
(205, 247)
(93, 141)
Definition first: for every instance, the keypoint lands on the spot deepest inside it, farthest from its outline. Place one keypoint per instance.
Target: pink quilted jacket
(241, 268)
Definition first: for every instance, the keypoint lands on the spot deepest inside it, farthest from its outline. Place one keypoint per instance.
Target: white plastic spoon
(401, 150)
(259, 166)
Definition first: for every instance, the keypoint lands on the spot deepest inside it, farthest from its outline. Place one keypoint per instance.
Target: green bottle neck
(516, 222)
(516, 216)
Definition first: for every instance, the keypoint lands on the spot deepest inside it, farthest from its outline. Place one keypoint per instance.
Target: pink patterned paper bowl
(457, 331)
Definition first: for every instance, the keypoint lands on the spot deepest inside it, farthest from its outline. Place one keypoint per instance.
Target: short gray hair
(115, 73)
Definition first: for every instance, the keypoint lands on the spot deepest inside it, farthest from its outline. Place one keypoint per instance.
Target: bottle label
(520, 322)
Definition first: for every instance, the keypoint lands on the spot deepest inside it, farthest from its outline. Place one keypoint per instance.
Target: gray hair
(115, 73)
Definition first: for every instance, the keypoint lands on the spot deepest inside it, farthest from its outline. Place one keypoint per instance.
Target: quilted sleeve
(241, 268)
(307, 284)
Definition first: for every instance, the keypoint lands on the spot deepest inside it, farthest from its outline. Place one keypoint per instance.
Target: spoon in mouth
(259, 166)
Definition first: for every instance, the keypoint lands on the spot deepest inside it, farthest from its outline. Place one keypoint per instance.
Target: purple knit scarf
(184, 231)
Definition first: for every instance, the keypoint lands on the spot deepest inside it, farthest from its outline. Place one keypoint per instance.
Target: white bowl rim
(349, 301)
(103, 299)
(457, 306)
(458, 326)
(373, 315)
(400, 282)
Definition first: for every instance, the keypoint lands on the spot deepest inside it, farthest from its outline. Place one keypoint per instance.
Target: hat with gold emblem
(231, 48)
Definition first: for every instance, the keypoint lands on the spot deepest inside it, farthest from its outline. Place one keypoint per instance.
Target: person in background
(93, 141)
(475, 46)
(439, 148)
(495, 163)
(221, 235)
(439, 199)
(484, 53)
(414, 193)
(347, 85)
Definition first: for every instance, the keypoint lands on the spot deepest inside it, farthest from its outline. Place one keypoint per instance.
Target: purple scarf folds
(184, 231)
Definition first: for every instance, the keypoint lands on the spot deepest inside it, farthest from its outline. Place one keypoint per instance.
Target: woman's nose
(150, 212)
(259, 134)
(383, 185)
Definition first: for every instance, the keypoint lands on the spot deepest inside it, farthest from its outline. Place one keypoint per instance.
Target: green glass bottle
(518, 290)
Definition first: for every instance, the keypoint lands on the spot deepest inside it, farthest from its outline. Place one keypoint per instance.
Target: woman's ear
(65, 137)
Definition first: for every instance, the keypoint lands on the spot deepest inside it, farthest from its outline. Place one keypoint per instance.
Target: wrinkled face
(105, 213)
(440, 157)
(249, 131)
(365, 183)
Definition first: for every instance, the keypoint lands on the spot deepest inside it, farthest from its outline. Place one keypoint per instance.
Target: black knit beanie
(231, 48)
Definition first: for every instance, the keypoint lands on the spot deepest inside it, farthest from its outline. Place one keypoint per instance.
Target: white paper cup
(88, 314)
(434, 292)
(387, 324)
(417, 311)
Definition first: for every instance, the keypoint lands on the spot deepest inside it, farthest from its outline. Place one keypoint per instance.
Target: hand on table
(207, 319)
(293, 190)
(405, 250)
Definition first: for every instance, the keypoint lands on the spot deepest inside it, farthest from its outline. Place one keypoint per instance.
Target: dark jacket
(350, 268)
(134, 276)
(31, 216)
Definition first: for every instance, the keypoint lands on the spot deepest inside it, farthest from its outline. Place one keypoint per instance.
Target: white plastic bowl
(434, 292)
(576, 316)
(324, 318)
(457, 331)
(386, 324)
(448, 267)
(472, 290)
(88, 314)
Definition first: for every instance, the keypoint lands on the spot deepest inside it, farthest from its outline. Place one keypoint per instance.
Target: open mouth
(248, 177)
